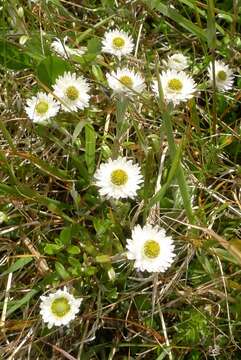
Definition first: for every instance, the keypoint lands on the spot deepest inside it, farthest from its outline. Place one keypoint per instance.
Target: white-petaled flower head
(177, 86)
(117, 42)
(176, 61)
(59, 308)
(150, 249)
(72, 90)
(118, 178)
(41, 108)
(63, 50)
(126, 82)
(223, 75)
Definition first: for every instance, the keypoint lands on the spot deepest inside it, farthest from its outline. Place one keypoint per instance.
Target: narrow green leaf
(17, 265)
(44, 166)
(63, 273)
(12, 57)
(211, 28)
(87, 32)
(173, 14)
(78, 129)
(90, 141)
(15, 305)
(172, 173)
(98, 73)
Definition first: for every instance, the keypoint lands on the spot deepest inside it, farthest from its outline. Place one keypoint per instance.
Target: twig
(41, 263)
(5, 303)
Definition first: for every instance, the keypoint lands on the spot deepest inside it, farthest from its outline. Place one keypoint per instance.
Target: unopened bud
(20, 12)
(3, 217)
(23, 39)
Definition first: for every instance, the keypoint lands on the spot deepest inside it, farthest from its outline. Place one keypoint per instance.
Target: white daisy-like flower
(151, 249)
(223, 75)
(177, 86)
(126, 82)
(176, 61)
(41, 108)
(62, 49)
(72, 90)
(118, 178)
(59, 308)
(117, 42)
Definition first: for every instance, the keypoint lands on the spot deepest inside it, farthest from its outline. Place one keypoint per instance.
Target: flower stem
(180, 174)
(121, 122)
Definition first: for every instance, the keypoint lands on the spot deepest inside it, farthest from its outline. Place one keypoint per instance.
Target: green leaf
(50, 68)
(73, 250)
(12, 58)
(172, 173)
(102, 259)
(90, 141)
(29, 193)
(14, 305)
(94, 46)
(98, 74)
(225, 256)
(65, 236)
(101, 225)
(52, 249)
(177, 17)
(77, 130)
(163, 355)
(17, 265)
(211, 28)
(108, 3)
(45, 167)
(61, 271)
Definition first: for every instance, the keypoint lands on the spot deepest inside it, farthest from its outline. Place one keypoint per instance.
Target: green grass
(59, 232)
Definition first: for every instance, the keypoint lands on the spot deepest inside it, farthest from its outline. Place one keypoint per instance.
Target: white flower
(118, 178)
(177, 62)
(62, 49)
(177, 86)
(223, 75)
(41, 108)
(117, 42)
(72, 90)
(59, 308)
(125, 81)
(151, 249)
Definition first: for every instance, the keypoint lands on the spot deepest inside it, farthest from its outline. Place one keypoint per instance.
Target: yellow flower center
(175, 84)
(42, 107)
(72, 93)
(222, 75)
(60, 307)
(151, 249)
(119, 177)
(118, 42)
(126, 80)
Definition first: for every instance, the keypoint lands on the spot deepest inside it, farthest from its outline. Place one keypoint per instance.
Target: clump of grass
(56, 230)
